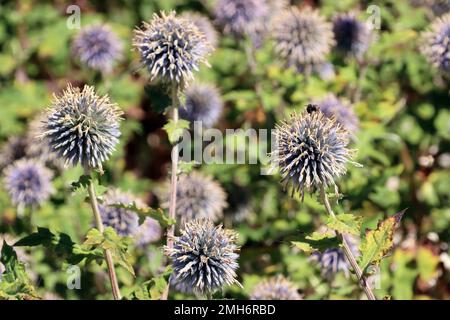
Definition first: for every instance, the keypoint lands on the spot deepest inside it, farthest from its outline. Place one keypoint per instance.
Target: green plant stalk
(173, 179)
(363, 283)
(99, 224)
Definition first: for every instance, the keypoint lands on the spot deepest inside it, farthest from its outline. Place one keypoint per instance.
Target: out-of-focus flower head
(204, 25)
(436, 44)
(149, 231)
(275, 288)
(331, 106)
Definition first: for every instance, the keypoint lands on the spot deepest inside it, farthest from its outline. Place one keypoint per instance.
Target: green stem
(173, 180)
(99, 224)
(348, 252)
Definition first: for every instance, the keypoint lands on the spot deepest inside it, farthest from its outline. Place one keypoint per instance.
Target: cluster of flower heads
(203, 103)
(125, 222)
(311, 150)
(331, 106)
(198, 196)
(241, 17)
(204, 258)
(353, 37)
(302, 37)
(204, 25)
(97, 47)
(28, 182)
(171, 47)
(332, 261)
(275, 288)
(82, 127)
(436, 44)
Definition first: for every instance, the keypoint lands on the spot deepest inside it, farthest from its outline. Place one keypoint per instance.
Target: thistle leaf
(345, 223)
(153, 288)
(175, 129)
(317, 242)
(157, 214)
(379, 242)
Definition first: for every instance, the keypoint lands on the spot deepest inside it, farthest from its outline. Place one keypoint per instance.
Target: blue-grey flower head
(353, 37)
(302, 37)
(204, 25)
(149, 231)
(125, 222)
(275, 288)
(241, 17)
(97, 47)
(436, 44)
(311, 151)
(198, 196)
(203, 103)
(13, 149)
(171, 47)
(204, 257)
(438, 7)
(28, 182)
(82, 127)
(332, 261)
(325, 70)
(331, 106)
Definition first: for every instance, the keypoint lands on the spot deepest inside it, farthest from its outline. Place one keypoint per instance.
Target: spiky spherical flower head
(82, 127)
(13, 149)
(275, 288)
(302, 37)
(204, 25)
(204, 257)
(125, 222)
(353, 37)
(331, 107)
(97, 47)
(149, 231)
(28, 182)
(171, 47)
(333, 260)
(436, 44)
(198, 196)
(241, 17)
(311, 151)
(203, 103)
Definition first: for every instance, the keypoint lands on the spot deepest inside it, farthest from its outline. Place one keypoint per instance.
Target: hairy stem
(173, 179)
(99, 224)
(348, 252)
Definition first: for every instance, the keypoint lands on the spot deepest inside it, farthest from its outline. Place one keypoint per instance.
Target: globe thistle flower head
(97, 47)
(171, 47)
(28, 183)
(311, 151)
(204, 258)
(275, 288)
(353, 37)
(13, 149)
(203, 103)
(204, 25)
(436, 44)
(82, 127)
(124, 222)
(325, 70)
(331, 107)
(241, 17)
(301, 37)
(198, 197)
(149, 231)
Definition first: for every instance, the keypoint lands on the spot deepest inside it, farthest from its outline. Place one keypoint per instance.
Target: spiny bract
(302, 37)
(203, 103)
(98, 47)
(28, 182)
(198, 196)
(275, 288)
(204, 258)
(311, 151)
(125, 222)
(353, 37)
(82, 127)
(171, 47)
(241, 17)
(331, 106)
(436, 44)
